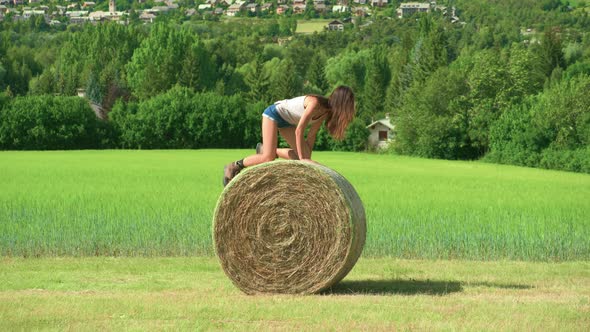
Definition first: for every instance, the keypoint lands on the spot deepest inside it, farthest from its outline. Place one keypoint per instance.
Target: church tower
(112, 7)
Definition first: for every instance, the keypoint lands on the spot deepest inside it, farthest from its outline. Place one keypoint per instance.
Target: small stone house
(340, 9)
(147, 17)
(253, 7)
(235, 9)
(299, 7)
(320, 7)
(408, 8)
(266, 6)
(378, 3)
(336, 26)
(361, 11)
(381, 133)
(282, 9)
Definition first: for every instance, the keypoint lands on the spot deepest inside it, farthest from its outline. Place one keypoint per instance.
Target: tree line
(510, 85)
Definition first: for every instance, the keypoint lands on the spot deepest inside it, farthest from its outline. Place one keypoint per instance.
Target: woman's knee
(266, 157)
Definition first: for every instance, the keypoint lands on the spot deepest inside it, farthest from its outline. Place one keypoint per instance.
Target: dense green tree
(316, 74)
(286, 84)
(300, 54)
(95, 49)
(377, 80)
(19, 67)
(196, 71)
(348, 68)
(550, 51)
(93, 89)
(549, 130)
(430, 50)
(166, 57)
(526, 77)
(257, 80)
(428, 123)
(401, 79)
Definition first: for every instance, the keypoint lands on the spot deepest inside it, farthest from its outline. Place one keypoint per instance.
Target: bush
(50, 123)
(551, 130)
(568, 160)
(182, 119)
(355, 139)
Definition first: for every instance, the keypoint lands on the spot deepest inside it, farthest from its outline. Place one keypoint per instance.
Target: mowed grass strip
(311, 26)
(380, 294)
(160, 203)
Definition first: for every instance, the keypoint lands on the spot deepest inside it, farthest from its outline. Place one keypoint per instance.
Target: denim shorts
(271, 113)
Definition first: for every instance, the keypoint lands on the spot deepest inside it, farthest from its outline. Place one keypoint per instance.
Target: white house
(28, 13)
(99, 15)
(340, 9)
(335, 26)
(408, 8)
(237, 7)
(381, 133)
(253, 7)
(77, 13)
(147, 17)
(378, 3)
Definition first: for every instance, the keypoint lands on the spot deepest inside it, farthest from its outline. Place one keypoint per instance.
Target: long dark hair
(342, 111)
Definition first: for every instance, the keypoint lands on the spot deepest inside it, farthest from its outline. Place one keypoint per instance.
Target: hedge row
(177, 119)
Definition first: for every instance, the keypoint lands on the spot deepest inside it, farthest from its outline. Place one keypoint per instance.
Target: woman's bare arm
(313, 131)
(303, 146)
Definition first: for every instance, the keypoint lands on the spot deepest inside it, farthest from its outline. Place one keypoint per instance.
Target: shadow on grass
(395, 286)
(409, 287)
(499, 285)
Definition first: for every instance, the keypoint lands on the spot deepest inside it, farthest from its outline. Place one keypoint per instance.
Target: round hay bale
(288, 227)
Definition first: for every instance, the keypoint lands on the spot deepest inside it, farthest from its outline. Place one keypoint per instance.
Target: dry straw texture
(288, 227)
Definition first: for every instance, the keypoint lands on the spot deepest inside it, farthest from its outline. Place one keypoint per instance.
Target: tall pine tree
(258, 82)
(316, 74)
(376, 82)
(287, 84)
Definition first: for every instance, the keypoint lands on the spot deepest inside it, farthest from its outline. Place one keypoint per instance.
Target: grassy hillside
(161, 203)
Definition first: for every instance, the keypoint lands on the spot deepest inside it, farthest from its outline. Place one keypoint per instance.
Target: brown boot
(229, 172)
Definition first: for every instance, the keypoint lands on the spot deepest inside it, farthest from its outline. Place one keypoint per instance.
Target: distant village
(82, 12)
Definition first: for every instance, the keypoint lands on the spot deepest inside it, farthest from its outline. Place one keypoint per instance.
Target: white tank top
(291, 110)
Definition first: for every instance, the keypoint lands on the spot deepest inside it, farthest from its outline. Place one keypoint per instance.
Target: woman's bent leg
(287, 153)
(269, 144)
(289, 135)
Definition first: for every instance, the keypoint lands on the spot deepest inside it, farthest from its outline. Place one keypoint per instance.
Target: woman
(290, 117)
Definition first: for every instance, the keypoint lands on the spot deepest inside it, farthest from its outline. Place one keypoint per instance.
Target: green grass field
(160, 203)
(310, 26)
(146, 294)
